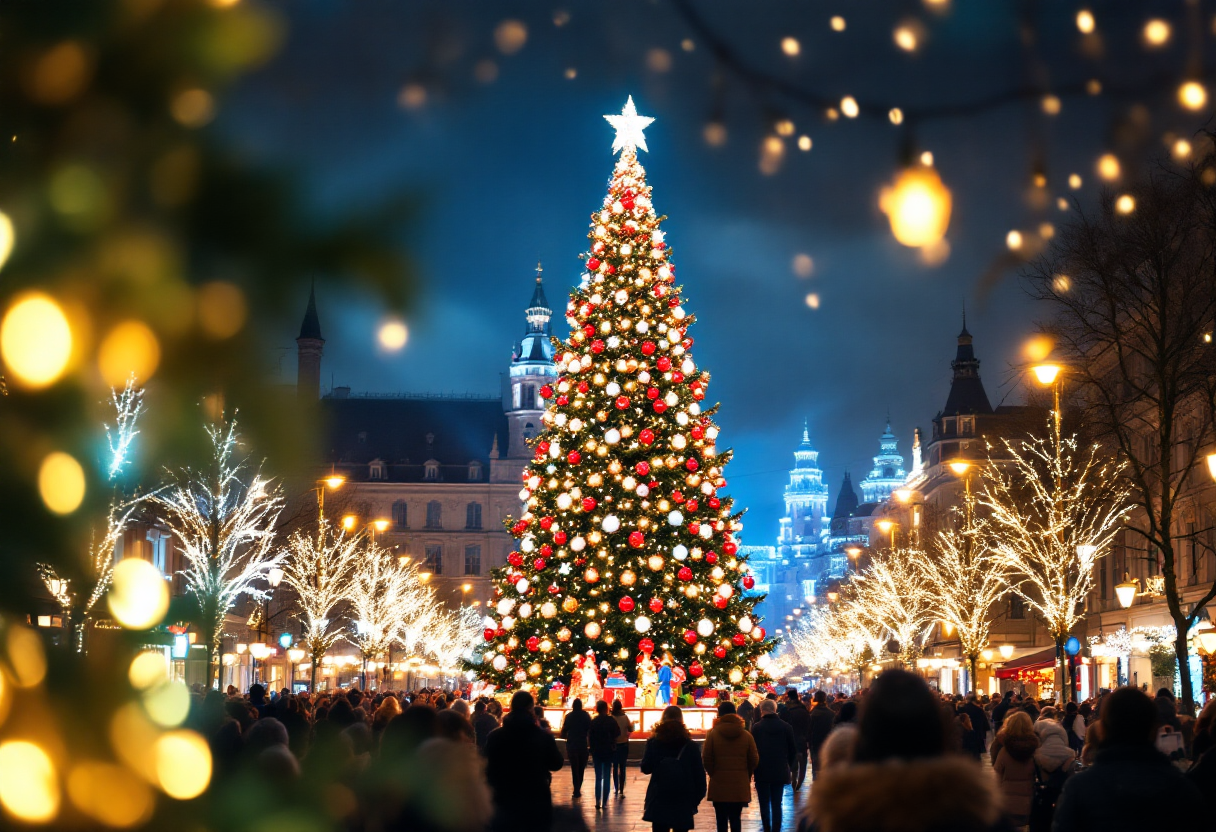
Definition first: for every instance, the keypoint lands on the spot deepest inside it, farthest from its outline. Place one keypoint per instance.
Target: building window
(472, 516)
(529, 430)
(966, 425)
(515, 396)
(159, 545)
(430, 469)
(434, 559)
(377, 470)
(472, 559)
(1017, 607)
(434, 515)
(474, 471)
(401, 514)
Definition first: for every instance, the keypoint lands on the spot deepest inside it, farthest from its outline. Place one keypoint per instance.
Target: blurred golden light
(1192, 95)
(561, 17)
(1085, 21)
(110, 794)
(902, 494)
(784, 127)
(1046, 373)
(896, 115)
(1038, 348)
(959, 467)
(687, 45)
(848, 106)
(29, 789)
(348, 522)
(1051, 105)
(1157, 32)
(1093, 86)
(1006, 651)
(413, 96)
(714, 134)
(905, 38)
(380, 525)
(59, 74)
(658, 60)
(79, 195)
(1039, 180)
(485, 71)
(803, 265)
(837, 23)
(510, 36)
(26, 656)
(139, 595)
(7, 237)
(1014, 240)
(812, 300)
(147, 670)
(1181, 149)
(1047, 230)
(571, 73)
(790, 46)
(132, 735)
(393, 335)
(804, 143)
(221, 309)
(1125, 204)
(935, 254)
(61, 482)
(917, 205)
(35, 340)
(183, 764)
(334, 481)
(1108, 166)
(129, 349)
(1061, 283)
(926, 158)
(1062, 203)
(885, 525)
(1074, 181)
(831, 114)
(168, 704)
(193, 108)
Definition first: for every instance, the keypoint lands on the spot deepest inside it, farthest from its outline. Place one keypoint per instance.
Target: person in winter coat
(677, 776)
(1074, 727)
(621, 755)
(778, 759)
(902, 776)
(574, 731)
(483, 723)
(519, 759)
(975, 740)
(747, 712)
(798, 718)
(730, 758)
(1053, 753)
(819, 725)
(1131, 785)
(1014, 766)
(1001, 708)
(601, 742)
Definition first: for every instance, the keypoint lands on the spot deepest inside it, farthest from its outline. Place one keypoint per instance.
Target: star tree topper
(629, 126)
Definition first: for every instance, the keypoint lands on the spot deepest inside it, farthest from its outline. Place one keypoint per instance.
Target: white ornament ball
(612, 436)
(520, 675)
(548, 609)
(505, 606)
(564, 500)
(560, 419)
(592, 630)
(680, 552)
(675, 518)
(500, 663)
(678, 442)
(671, 398)
(614, 342)
(717, 574)
(612, 388)
(687, 367)
(622, 296)
(706, 531)
(629, 483)
(610, 523)
(643, 377)
(764, 661)
(525, 610)
(643, 327)
(726, 590)
(694, 409)
(745, 624)
(576, 425)
(527, 545)
(508, 621)
(524, 494)
(521, 586)
(641, 624)
(578, 544)
(705, 627)
(681, 418)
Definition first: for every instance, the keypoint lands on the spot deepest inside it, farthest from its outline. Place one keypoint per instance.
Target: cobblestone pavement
(624, 814)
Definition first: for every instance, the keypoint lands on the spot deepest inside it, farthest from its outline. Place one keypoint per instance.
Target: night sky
(507, 170)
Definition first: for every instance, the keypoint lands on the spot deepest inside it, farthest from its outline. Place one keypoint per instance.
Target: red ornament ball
(738, 639)
(643, 468)
(593, 263)
(646, 645)
(646, 436)
(720, 602)
(539, 564)
(636, 540)
(626, 604)
(515, 559)
(692, 464)
(488, 633)
(546, 392)
(730, 547)
(574, 457)
(719, 652)
(691, 506)
(648, 348)
(697, 432)
(690, 636)
(696, 670)
(546, 523)
(685, 573)
(622, 402)
(660, 406)
(597, 346)
(562, 400)
(711, 558)
(663, 363)
(656, 605)
(588, 504)
(533, 644)
(652, 393)
(559, 537)
(713, 502)
(583, 387)
(749, 582)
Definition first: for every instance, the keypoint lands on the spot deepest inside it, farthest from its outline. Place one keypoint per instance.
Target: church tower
(309, 346)
(806, 498)
(531, 368)
(888, 472)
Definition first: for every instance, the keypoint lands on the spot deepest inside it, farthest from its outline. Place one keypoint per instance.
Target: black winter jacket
(677, 777)
(519, 757)
(778, 755)
(799, 718)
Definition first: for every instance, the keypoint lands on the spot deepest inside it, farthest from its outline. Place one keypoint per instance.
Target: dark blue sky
(509, 170)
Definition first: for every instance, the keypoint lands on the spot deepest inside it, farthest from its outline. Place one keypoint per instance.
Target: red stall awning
(1033, 661)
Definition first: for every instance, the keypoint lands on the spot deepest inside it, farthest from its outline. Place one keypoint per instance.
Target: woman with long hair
(1014, 766)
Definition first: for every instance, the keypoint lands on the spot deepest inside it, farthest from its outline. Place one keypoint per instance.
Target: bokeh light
(812, 300)
(1061, 283)
(1181, 149)
(221, 309)
(139, 595)
(1037, 348)
(393, 335)
(61, 482)
(129, 349)
(8, 236)
(1013, 240)
(1157, 32)
(1108, 167)
(1125, 203)
(26, 656)
(805, 143)
(510, 36)
(905, 38)
(791, 46)
(1050, 105)
(1085, 21)
(147, 670)
(168, 704)
(896, 115)
(803, 265)
(110, 794)
(848, 106)
(183, 764)
(837, 23)
(29, 790)
(35, 340)
(193, 107)
(917, 206)
(1193, 95)
(1074, 181)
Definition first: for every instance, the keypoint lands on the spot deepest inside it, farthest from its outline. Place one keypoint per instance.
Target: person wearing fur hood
(1014, 766)
(903, 777)
(1053, 753)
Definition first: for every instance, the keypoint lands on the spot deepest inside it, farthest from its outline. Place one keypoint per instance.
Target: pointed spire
(494, 447)
(806, 431)
(964, 333)
(311, 325)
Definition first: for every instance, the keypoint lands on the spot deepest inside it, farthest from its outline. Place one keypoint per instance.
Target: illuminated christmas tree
(626, 544)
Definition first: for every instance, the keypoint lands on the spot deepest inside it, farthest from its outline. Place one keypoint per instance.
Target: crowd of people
(896, 756)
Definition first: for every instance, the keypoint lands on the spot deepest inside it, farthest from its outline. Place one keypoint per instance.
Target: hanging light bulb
(917, 205)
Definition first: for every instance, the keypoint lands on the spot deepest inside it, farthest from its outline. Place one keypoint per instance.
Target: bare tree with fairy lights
(892, 591)
(386, 594)
(223, 519)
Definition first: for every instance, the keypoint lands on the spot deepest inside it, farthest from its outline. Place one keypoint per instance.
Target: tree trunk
(1061, 662)
(1184, 670)
(312, 689)
(972, 659)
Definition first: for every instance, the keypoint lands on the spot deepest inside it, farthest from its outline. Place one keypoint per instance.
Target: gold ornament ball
(628, 577)
(569, 605)
(564, 634)
(655, 562)
(592, 630)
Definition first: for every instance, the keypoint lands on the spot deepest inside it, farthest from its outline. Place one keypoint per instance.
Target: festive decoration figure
(625, 528)
(648, 681)
(585, 682)
(664, 697)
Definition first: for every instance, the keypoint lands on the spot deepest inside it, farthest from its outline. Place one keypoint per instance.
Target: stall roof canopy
(1033, 661)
